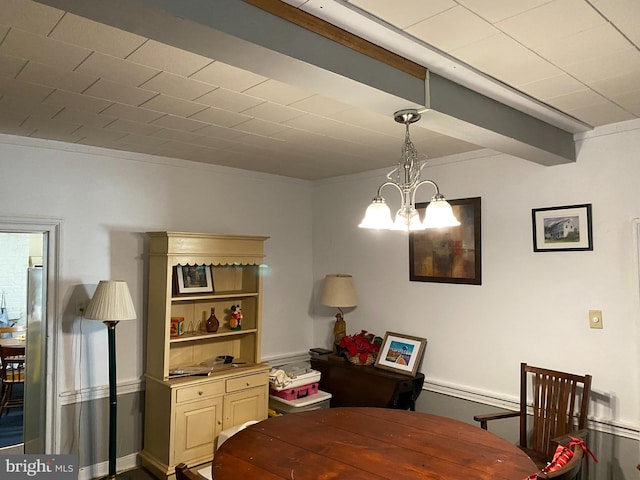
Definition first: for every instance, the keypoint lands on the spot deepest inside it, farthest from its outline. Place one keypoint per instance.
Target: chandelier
(406, 178)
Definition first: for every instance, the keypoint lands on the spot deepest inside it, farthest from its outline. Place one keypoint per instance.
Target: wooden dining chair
(560, 407)
(12, 373)
(183, 473)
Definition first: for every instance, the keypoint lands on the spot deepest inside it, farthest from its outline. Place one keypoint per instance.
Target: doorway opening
(32, 280)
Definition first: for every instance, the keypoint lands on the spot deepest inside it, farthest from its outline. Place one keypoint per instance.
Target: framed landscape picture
(561, 229)
(194, 279)
(450, 254)
(401, 353)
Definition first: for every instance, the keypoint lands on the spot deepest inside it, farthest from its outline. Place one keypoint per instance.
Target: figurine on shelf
(235, 323)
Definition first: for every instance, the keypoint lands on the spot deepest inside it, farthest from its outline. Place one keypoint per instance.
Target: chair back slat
(556, 397)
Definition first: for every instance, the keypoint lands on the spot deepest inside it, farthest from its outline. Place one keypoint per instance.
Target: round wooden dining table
(357, 443)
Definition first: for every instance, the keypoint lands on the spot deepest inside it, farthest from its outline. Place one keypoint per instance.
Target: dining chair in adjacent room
(12, 373)
(560, 403)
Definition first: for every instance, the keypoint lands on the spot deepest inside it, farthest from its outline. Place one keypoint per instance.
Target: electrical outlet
(595, 318)
(80, 307)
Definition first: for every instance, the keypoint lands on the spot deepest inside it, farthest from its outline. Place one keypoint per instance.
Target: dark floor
(136, 474)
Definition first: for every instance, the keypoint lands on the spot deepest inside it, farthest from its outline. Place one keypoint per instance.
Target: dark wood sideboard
(365, 385)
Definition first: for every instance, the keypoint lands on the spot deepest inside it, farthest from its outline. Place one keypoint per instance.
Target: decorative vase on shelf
(212, 322)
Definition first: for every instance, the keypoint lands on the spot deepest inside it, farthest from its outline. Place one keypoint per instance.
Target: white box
(312, 402)
(304, 379)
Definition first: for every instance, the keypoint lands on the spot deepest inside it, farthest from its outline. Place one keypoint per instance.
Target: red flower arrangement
(362, 344)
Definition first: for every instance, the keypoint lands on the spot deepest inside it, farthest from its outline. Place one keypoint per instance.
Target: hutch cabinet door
(240, 407)
(196, 429)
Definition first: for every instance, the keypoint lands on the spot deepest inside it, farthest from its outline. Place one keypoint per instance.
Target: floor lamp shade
(111, 303)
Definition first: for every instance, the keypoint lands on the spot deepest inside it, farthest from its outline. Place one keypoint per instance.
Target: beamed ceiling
(308, 89)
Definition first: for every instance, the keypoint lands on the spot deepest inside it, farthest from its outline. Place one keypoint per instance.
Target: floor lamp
(111, 303)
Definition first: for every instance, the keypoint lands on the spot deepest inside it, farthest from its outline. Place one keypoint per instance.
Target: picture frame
(401, 353)
(562, 229)
(194, 279)
(450, 254)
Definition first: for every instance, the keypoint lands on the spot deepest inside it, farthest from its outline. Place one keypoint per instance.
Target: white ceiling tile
(128, 126)
(12, 119)
(178, 123)
(170, 59)
(178, 149)
(46, 126)
(17, 88)
(220, 117)
(273, 112)
(63, 98)
(552, 21)
(137, 114)
(117, 92)
(50, 76)
(371, 120)
(452, 29)
(43, 49)
(618, 12)
(612, 65)
(523, 66)
(405, 13)
(117, 70)
(615, 86)
(602, 113)
(96, 36)
(260, 127)
(592, 42)
(629, 101)
(142, 141)
(312, 123)
(92, 135)
(28, 106)
(10, 66)
(229, 100)
(215, 142)
(223, 75)
(30, 16)
(82, 117)
(173, 105)
(320, 105)
(552, 86)
(217, 131)
(497, 10)
(278, 92)
(177, 135)
(574, 100)
(177, 86)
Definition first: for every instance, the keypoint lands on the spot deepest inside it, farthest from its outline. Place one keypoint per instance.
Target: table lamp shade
(111, 301)
(339, 291)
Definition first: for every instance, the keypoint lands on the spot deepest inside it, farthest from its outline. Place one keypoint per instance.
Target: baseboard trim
(99, 470)
(493, 399)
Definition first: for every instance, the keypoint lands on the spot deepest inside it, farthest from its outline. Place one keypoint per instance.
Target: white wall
(531, 307)
(107, 200)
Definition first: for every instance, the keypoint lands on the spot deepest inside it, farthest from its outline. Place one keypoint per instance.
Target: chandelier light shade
(406, 178)
(111, 303)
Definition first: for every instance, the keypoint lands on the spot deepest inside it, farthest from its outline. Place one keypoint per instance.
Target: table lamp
(339, 291)
(111, 303)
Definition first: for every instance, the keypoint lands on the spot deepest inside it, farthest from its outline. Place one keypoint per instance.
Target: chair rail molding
(495, 399)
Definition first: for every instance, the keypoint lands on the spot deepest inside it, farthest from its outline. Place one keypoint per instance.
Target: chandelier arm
(430, 182)
(389, 183)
